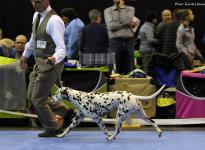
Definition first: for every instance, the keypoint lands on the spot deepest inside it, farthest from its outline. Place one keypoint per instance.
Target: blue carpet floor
(95, 140)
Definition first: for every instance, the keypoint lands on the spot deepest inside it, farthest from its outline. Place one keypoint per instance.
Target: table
(86, 79)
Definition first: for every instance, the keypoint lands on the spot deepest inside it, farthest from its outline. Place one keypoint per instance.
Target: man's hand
(132, 24)
(52, 59)
(23, 62)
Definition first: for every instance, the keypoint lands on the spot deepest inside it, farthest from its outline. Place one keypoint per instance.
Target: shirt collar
(116, 8)
(45, 12)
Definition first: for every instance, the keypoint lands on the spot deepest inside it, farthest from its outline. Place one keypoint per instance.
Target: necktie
(37, 21)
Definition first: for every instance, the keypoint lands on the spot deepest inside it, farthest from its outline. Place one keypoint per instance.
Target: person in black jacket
(169, 37)
(93, 37)
(168, 45)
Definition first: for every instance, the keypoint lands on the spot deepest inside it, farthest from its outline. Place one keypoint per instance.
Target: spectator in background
(73, 26)
(169, 37)
(148, 39)
(120, 21)
(17, 52)
(6, 45)
(185, 39)
(168, 44)
(20, 42)
(166, 17)
(93, 37)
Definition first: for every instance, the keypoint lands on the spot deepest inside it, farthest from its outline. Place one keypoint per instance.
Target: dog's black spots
(84, 106)
(150, 119)
(78, 97)
(119, 92)
(92, 97)
(109, 104)
(96, 105)
(128, 98)
(125, 111)
(120, 114)
(122, 95)
(89, 101)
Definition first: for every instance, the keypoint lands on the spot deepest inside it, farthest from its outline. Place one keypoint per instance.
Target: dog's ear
(64, 91)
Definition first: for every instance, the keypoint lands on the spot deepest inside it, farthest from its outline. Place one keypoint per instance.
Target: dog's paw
(109, 134)
(61, 135)
(111, 137)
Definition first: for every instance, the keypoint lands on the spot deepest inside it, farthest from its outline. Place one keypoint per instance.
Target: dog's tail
(151, 96)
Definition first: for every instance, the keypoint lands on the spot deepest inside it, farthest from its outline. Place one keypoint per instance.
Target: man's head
(166, 15)
(119, 3)
(20, 43)
(8, 43)
(187, 15)
(68, 14)
(95, 15)
(151, 16)
(177, 14)
(40, 5)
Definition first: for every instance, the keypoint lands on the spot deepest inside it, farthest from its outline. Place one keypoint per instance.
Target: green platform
(103, 88)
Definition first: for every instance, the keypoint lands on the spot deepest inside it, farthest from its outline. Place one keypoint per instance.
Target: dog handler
(47, 41)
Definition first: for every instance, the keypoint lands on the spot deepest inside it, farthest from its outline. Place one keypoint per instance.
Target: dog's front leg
(75, 121)
(102, 126)
(121, 116)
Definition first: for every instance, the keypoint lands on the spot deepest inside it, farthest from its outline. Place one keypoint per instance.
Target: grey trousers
(146, 59)
(39, 88)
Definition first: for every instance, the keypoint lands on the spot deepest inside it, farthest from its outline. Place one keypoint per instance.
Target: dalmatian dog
(96, 105)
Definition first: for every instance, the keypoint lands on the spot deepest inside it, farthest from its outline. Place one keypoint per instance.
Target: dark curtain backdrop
(16, 15)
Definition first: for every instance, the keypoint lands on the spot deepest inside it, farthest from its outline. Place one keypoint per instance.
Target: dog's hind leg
(141, 114)
(75, 121)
